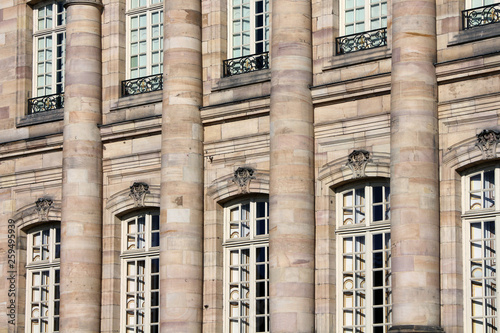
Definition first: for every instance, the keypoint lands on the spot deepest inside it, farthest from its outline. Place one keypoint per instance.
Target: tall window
(364, 250)
(145, 38)
(246, 257)
(249, 29)
(362, 15)
(481, 215)
(49, 40)
(141, 273)
(42, 276)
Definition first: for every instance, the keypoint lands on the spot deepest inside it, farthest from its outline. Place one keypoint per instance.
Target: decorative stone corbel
(487, 142)
(42, 207)
(138, 192)
(356, 161)
(242, 178)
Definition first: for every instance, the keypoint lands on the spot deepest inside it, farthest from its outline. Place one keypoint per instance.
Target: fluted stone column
(414, 168)
(291, 247)
(181, 244)
(82, 172)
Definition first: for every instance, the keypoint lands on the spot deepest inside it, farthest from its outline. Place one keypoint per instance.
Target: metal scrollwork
(357, 161)
(481, 16)
(487, 142)
(251, 63)
(242, 177)
(362, 41)
(142, 85)
(45, 103)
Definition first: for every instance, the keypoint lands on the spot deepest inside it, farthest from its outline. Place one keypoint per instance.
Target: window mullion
(368, 11)
(252, 26)
(51, 288)
(251, 285)
(368, 282)
(149, 45)
(147, 292)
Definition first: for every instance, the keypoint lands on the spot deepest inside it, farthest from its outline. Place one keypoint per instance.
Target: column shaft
(414, 168)
(82, 172)
(291, 234)
(181, 243)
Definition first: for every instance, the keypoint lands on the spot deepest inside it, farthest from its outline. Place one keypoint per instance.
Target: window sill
(137, 100)
(242, 80)
(41, 118)
(359, 57)
(475, 34)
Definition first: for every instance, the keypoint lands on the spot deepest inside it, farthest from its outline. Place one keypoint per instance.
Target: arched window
(246, 269)
(364, 258)
(42, 276)
(481, 214)
(140, 296)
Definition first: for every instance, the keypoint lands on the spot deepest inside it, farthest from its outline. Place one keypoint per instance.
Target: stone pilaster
(181, 254)
(414, 168)
(82, 172)
(291, 233)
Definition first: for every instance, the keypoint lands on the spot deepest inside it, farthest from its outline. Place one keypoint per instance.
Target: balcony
(246, 64)
(142, 85)
(45, 103)
(361, 41)
(480, 16)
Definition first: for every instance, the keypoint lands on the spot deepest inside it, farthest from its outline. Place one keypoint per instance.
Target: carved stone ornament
(487, 142)
(138, 192)
(42, 206)
(242, 178)
(357, 161)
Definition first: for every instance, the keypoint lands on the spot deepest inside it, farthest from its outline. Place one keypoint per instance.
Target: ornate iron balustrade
(362, 41)
(479, 16)
(251, 63)
(142, 85)
(45, 103)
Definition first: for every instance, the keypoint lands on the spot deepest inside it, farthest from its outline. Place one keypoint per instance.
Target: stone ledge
(359, 57)
(41, 118)
(242, 80)
(137, 100)
(475, 34)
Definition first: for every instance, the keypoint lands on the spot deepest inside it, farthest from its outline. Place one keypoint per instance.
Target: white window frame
(136, 8)
(247, 45)
(52, 32)
(50, 265)
(149, 254)
(367, 229)
(482, 213)
(369, 21)
(251, 242)
(471, 4)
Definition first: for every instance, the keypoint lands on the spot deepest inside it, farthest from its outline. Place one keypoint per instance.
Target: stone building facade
(249, 165)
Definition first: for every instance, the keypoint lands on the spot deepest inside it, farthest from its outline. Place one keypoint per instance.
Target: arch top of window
(141, 231)
(480, 190)
(246, 220)
(363, 204)
(44, 244)
(48, 16)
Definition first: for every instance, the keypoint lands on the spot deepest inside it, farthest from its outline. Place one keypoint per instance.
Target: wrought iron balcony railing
(479, 16)
(250, 63)
(45, 103)
(142, 85)
(362, 41)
